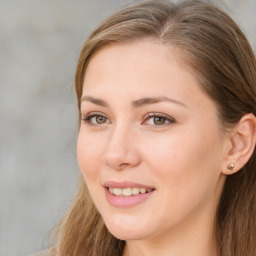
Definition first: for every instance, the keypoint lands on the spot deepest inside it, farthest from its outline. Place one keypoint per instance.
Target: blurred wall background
(39, 45)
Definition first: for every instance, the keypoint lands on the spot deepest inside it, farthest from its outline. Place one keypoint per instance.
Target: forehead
(140, 69)
(137, 63)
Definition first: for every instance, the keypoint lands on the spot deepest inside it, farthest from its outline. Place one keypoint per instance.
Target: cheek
(185, 157)
(89, 153)
(185, 168)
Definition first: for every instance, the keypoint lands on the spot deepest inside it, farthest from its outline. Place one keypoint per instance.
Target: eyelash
(88, 118)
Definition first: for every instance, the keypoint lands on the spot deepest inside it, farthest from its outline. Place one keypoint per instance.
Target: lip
(126, 201)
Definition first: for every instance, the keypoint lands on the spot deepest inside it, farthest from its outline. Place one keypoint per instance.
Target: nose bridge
(121, 151)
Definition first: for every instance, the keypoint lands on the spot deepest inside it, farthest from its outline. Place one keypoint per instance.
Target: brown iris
(159, 120)
(100, 119)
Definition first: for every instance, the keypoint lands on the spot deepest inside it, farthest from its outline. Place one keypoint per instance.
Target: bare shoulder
(49, 252)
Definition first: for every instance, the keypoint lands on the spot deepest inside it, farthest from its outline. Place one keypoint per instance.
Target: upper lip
(125, 184)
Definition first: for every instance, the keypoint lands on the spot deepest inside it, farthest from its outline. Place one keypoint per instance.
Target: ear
(241, 144)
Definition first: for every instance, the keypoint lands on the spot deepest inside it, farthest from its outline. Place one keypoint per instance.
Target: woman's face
(150, 146)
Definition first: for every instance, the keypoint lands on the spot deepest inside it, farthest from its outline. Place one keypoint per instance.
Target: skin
(181, 158)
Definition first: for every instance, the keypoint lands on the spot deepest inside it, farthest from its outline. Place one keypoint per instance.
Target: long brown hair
(225, 66)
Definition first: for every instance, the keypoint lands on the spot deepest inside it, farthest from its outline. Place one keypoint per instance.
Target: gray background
(39, 45)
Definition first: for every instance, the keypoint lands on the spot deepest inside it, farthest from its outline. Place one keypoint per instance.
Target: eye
(158, 119)
(95, 119)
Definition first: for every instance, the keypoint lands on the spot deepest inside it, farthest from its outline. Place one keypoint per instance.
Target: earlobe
(243, 140)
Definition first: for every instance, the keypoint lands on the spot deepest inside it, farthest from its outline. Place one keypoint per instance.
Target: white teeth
(135, 191)
(117, 191)
(143, 190)
(128, 191)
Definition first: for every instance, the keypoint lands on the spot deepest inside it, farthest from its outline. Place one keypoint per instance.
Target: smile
(128, 191)
(127, 196)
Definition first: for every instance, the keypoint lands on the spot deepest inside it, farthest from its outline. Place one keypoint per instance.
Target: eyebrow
(137, 103)
(95, 101)
(153, 100)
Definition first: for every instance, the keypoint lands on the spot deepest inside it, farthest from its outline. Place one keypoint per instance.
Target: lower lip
(126, 201)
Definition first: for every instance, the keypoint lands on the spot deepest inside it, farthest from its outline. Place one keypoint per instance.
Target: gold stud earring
(231, 167)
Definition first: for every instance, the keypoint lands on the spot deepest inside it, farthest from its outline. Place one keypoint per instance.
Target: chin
(127, 229)
(122, 234)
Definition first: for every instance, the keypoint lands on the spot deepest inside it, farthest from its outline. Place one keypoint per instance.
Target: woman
(167, 103)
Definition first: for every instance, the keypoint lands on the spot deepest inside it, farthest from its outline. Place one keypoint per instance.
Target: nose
(121, 151)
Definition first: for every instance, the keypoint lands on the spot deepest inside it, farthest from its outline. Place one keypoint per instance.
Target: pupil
(159, 120)
(100, 119)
